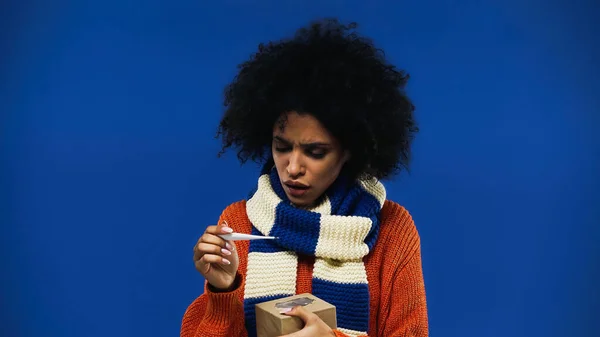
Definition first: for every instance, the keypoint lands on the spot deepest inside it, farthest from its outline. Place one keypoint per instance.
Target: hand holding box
(270, 322)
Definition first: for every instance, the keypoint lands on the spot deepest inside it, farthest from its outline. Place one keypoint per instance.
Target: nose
(295, 167)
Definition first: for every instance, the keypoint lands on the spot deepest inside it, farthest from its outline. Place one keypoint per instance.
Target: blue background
(109, 171)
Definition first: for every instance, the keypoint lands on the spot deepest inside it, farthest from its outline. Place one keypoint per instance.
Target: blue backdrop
(109, 168)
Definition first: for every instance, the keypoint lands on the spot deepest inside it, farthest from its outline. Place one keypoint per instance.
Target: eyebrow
(314, 144)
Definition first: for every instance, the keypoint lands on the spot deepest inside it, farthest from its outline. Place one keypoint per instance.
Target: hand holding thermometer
(241, 236)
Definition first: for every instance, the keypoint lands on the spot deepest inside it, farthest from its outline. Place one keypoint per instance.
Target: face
(307, 157)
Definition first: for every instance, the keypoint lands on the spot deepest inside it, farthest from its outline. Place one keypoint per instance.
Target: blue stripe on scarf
(351, 302)
(370, 205)
(348, 204)
(263, 246)
(276, 185)
(337, 192)
(300, 231)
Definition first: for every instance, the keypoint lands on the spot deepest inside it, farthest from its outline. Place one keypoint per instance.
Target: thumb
(300, 312)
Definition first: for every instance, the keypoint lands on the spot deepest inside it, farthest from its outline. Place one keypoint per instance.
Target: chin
(301, 202)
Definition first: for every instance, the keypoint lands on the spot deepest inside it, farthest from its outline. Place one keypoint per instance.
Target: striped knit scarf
(338, 232)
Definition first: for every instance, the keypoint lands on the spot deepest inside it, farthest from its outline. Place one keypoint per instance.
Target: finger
(205, 248)
(213, 229)
(216, 259)
(198, 252)
(212, 234)
(204, 268)
(223, 228)
(202, 237)
(300, 312)
(212, 238)
(211, 244)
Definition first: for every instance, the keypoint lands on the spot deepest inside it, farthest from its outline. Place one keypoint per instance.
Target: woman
(328, 117)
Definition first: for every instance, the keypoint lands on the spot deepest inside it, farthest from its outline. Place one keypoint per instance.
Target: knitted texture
(339, 231)
(397, 299)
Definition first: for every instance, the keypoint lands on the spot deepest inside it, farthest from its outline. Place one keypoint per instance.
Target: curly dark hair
(330, 72)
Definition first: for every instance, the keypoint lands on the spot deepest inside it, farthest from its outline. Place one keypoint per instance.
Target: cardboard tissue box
(271, 323)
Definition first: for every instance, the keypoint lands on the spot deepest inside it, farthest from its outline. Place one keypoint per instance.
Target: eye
(317, 154)
(282, 148)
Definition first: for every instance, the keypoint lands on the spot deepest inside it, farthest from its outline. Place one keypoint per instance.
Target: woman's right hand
(217, 259)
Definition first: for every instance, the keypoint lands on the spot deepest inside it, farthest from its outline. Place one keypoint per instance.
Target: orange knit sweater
(396, 287)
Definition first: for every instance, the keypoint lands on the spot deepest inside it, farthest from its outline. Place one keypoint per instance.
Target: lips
(296, 186)
(296, 189)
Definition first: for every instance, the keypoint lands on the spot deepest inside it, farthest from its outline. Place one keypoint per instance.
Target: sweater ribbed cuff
(222, 306)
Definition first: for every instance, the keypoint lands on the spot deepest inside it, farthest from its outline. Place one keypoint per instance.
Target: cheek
(280, 160)
(329, 171)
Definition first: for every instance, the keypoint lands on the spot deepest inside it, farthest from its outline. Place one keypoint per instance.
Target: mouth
(296, 189)
(295, 184)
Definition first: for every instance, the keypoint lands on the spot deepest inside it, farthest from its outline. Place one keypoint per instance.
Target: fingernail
(285, 310)
(225, 251)
(226, 261)
(227, 230)
(228, 246)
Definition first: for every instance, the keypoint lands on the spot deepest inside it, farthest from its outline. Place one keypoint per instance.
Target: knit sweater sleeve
(408, 314)
(217, 314)
(405, 313)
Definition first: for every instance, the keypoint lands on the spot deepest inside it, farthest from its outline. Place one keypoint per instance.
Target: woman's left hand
(313, 325)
